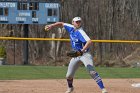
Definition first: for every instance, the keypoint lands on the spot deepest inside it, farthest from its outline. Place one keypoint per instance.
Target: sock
(70, 82)
(98, 80)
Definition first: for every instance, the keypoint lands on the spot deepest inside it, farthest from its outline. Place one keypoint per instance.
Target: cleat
(69, 90)
(104, 91)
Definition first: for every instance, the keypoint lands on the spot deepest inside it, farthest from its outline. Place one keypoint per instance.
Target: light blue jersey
(77, 36)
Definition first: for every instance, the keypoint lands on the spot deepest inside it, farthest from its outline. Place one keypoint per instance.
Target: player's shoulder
(81, 31)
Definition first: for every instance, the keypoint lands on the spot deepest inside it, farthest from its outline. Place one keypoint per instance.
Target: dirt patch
(60, 86)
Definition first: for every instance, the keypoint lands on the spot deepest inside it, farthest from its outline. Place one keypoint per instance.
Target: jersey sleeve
(68, 27)
(83, 36)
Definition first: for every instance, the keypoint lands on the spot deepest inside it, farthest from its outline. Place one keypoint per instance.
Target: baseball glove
(74, 53)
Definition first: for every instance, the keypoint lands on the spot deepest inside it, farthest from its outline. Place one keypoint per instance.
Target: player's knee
(92, 73)
(89, 67)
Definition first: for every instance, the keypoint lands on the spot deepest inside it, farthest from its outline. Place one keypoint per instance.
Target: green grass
(49, 72)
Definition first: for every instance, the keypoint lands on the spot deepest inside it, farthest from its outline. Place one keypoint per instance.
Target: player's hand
(47, 27)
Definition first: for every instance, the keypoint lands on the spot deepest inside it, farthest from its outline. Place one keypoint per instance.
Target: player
(80, 43)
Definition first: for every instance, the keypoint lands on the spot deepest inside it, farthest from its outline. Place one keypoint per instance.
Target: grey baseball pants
(86, 59)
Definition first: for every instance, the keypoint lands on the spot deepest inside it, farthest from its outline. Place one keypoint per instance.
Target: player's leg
(88, 62)
(73, 66)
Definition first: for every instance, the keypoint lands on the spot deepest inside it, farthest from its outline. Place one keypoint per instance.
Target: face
(77, 24)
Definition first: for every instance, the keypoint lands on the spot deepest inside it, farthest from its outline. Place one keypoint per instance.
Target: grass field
(58, 72)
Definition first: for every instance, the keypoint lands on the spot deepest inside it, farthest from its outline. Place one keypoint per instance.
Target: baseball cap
(76, 19)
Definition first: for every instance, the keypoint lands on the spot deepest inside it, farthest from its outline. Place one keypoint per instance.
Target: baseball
(46, 28)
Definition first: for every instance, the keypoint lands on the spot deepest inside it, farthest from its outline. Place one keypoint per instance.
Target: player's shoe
(69, 90)
(104, 91)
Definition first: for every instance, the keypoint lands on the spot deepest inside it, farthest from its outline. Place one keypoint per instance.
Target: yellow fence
(58, 39)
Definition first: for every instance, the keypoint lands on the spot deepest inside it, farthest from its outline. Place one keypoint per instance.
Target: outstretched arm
(49, 27)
